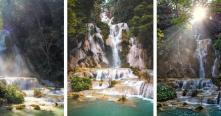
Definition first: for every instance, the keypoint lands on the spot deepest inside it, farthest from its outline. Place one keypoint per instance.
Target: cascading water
(202, 52)
(23, 83)
(115, 37)
(126, 82)
(134, 57)
(114, 74)
(215, 68)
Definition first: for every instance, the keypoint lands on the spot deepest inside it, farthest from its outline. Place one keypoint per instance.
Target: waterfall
(3, 35)
(205, 84)
(146, 90)
(114, 74)
(11, 61)
(134, 58)
(115, 37)
(124, 79)
(202, 52)
(215, 67)
(23, 83)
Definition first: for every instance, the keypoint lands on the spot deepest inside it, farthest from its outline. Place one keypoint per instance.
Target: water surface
(25, 112)
(211, 111)
(109, 108)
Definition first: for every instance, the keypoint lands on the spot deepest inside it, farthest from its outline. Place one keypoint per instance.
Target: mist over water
(11, 61)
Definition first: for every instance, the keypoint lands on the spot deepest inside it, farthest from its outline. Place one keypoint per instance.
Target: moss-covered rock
(74, 96)
(36, 107)
(165, 92)
(38, 93)
(194, 93)
(122, 98)
(112, 83)
(217, 81)
(199, 108)
(184, 93)
(9, 108)
(20, 107)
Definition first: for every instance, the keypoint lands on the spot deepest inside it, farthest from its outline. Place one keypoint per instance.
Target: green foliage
(173, 12)
(217, 43)
(81, 12)
(80, 83)
(104, 29)
(125, 43)
(179, 20)
(215, 6)
(160, 36)
(76, 25)
(11, 94)
(164, 92)
(142, 19)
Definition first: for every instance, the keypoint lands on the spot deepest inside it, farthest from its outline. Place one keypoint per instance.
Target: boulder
(36, 107)
(19, 107)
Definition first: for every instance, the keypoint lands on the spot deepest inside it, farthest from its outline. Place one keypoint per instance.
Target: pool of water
(211, 111)
(109, 108)
(55, 112)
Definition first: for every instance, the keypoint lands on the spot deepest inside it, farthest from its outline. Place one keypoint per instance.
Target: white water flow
(216, 65)
(126, 83)
(202, 52)
(11, 61)
(115, 37)
(134, 57)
